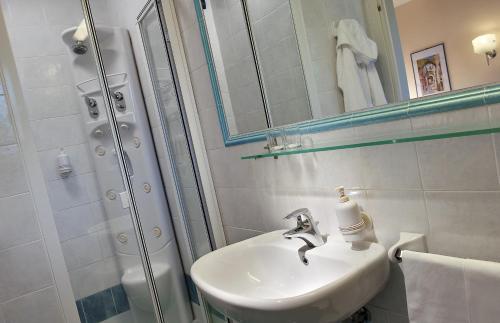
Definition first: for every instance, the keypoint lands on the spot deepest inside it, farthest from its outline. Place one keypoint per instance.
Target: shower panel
(142, 168)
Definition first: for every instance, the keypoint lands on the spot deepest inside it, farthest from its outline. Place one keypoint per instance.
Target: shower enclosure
(110, 132)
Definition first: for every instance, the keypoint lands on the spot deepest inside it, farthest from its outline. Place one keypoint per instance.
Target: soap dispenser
(64, 167)
(349, 217)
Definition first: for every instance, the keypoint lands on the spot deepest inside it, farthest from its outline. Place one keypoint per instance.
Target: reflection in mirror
(237, 71)
(285, 61)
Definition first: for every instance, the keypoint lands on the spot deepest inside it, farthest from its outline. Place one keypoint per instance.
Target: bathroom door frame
(123, 166)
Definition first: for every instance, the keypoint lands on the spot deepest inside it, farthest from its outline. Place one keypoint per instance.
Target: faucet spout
(302, 254)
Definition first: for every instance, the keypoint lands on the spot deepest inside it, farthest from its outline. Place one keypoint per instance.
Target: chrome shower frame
(120, 154)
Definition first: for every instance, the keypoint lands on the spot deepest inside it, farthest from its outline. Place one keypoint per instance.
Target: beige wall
(424, 23)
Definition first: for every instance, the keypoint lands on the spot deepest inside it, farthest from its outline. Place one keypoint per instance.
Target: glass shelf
(386, 139)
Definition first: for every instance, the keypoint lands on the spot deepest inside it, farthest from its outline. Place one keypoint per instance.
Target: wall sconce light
(485, 44)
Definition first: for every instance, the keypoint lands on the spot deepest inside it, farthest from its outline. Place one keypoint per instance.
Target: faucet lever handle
(298, 213)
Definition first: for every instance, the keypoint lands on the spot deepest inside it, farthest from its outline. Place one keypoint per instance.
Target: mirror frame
(454, 100)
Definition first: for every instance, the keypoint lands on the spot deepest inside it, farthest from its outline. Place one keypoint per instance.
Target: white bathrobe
(356, 72)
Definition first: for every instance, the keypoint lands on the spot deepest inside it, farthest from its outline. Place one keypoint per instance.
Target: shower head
(79, 48)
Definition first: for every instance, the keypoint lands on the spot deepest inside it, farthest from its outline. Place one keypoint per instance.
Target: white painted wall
(448, 189)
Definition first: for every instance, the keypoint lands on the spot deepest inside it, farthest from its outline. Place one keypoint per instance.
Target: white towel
(435, 288)
(356, 72)
(482, 283)
(441, 289)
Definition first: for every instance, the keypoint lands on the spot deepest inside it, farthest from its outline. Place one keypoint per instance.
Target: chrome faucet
(306, 229)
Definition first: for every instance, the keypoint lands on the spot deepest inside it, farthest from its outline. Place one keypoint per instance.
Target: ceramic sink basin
(263, 279)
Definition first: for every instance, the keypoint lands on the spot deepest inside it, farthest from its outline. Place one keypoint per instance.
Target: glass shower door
(156, 289)
(113, 141)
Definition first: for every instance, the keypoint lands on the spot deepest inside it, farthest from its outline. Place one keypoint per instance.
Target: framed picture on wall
(431, 71)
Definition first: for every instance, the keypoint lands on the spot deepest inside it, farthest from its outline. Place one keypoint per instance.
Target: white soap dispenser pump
(349, 217)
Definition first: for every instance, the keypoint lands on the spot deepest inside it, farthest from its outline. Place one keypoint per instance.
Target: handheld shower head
(79, 48)
(80, 35)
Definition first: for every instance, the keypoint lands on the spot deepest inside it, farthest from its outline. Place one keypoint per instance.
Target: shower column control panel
(92, 106)
(120, 105)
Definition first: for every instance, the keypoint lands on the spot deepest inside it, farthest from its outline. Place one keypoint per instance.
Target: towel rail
(407, 241)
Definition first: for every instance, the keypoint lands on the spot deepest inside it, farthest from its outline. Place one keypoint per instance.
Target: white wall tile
(394, 212)
(106, 244)
(287, 171)
(390, 167)
(92, 187)
(50, 102)
(385, 129)
(185, 13)
(44, 71)
(273, 27)
(62, 12)
(36, 41)
(25, 13)
(464, 224)
(229, 170)
(69, 192)
(91, 279)
(23, 269)
(340, 168)
(202, 88)
(81, 251)
(40, 307)
(193, 47)
(47, 132)
(18, 218)
(241, 207)
(234, 235)
(76, 221)
(12, 176)
(275, 206)
(466, 163)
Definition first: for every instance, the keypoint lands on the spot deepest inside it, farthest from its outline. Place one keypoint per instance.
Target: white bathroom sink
(263, 279)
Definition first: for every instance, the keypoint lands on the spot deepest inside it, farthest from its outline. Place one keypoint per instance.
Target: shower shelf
(387, 139)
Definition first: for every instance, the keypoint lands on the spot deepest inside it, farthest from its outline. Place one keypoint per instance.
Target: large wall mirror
(280, 62)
